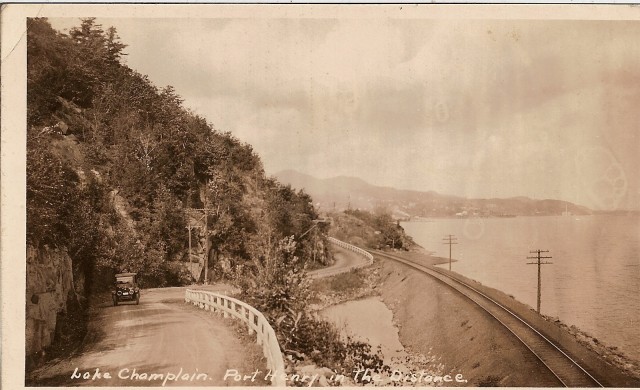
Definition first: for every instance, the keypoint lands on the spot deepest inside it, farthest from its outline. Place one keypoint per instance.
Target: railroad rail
(567, 371)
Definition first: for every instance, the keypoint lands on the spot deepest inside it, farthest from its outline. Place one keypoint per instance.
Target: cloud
(483, 108)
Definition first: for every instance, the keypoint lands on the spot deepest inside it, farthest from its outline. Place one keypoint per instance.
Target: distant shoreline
(616, 213)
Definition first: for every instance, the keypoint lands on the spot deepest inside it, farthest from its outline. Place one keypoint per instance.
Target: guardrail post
(265, 335)
(265, 350)
(250, 318)
(260, 333)
(224, 311)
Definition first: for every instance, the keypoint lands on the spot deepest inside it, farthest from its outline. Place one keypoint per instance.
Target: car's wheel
(137, 298)
(115, 300)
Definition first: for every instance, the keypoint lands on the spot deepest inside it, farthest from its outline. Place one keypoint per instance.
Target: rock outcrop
(49, 288)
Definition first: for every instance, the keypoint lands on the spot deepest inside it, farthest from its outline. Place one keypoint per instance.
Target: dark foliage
(280, 289)
(116, 196)
(389, 232)
(114, 165)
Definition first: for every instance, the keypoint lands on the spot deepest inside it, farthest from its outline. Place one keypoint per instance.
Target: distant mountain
(342, 192)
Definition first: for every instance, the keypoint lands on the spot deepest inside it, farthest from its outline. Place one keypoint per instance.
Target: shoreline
(587, 348)
(433, 319)
(443, 332)
(399, 291)
(591, 286)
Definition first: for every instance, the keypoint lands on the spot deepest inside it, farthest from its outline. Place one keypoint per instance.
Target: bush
(341, 283)
(277, 285)
(280, 289)
(359, 356)
(176, 274)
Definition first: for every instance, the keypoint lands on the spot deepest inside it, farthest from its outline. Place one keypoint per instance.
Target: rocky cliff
(50, 290)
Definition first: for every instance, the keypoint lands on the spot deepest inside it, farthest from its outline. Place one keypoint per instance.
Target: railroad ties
(568, 372)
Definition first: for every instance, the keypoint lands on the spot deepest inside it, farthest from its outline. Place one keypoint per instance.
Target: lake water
(354, 318)
(371, 321)
(593, 283)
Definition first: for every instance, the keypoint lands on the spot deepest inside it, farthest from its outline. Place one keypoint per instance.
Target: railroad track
(568, 372)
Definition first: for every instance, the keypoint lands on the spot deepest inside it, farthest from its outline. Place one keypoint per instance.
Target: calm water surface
(593, 283)
(355, 318)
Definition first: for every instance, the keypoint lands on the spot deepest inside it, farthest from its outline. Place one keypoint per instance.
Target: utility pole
(206, 241)
(206, 235)
(315, 222)
(190, 264)
(539, 262)
(450, 240)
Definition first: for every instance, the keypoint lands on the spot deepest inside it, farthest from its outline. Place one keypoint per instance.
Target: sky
(475, 108)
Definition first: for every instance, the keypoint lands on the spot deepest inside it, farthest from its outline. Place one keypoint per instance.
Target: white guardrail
(368, 260)
(256, 322)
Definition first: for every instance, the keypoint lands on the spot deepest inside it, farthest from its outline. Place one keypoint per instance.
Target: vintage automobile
(126, 289)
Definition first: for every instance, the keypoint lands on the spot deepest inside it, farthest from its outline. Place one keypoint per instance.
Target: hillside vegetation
(374, 230)
(116, 170)
(102, 135)
(114, 163)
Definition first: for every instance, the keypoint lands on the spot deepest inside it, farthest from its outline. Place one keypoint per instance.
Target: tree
(168, 223)
(278, 285)
(114, 46)
(88, 66)
(48, 75)
(391, 235)
(88, 34)
(52, 196)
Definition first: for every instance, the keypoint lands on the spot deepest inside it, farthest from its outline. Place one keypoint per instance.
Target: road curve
(177, 343)
(563, 367)
(345, 261)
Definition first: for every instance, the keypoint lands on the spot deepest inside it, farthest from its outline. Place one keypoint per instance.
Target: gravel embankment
(607, 364)
(434, 319)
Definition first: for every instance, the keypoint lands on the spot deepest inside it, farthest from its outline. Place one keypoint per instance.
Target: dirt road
(161, 342)
(345, 259)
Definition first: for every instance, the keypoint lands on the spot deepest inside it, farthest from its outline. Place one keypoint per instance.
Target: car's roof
(126, 274)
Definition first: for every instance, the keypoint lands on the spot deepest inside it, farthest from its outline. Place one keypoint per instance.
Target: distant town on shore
(341, 193)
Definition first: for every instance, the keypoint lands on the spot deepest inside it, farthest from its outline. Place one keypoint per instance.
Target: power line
(539, 262)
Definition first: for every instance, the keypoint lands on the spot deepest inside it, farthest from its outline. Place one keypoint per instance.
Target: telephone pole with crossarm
(450, 240)
(204, 218)
(205, 210)
(539, 262)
